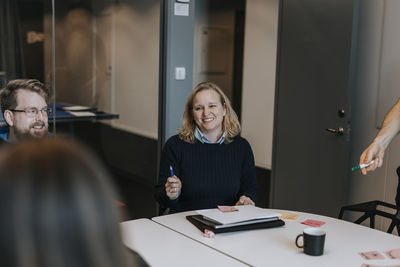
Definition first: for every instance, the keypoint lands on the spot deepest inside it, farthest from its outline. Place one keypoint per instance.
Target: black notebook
(201, 223)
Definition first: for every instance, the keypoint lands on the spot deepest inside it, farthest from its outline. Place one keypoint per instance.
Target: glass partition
(23, 42)
(101, 60)
(106, 62)
(83, 60)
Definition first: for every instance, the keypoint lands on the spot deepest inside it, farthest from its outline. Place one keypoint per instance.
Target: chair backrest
(398, 189)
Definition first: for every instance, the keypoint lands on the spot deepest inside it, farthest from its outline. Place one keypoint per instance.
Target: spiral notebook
(198, 221)
(244, 218)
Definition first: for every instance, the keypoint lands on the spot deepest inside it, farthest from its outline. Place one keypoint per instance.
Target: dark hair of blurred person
(57, 208)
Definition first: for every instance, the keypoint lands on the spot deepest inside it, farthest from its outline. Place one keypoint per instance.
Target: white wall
(259, 77)
(110, 58)
(135, 66)
(213, 57)
(74, 61)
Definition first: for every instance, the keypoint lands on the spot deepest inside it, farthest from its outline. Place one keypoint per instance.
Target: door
(218, 46)
(310, 163)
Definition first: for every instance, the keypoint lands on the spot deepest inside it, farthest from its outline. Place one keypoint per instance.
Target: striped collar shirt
(203, 139)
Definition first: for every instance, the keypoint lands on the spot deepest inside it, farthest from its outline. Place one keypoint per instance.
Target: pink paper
(371, 255)
(208, 233)
(313, 223)
(227, 208)
(394, 253)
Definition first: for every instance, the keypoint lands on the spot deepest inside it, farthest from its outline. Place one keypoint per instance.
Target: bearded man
(24, 106)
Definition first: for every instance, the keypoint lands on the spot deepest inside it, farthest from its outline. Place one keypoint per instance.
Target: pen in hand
(172, 179)
(173, 185)
(364, 165)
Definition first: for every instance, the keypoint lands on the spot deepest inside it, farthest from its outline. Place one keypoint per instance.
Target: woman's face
(208, 111)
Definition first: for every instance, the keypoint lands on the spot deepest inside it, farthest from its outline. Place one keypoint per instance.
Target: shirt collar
(203, 139)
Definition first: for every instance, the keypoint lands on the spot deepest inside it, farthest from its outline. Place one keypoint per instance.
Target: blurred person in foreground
(58, 208)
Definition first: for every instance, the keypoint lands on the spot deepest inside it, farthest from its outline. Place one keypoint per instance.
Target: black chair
(370, 209)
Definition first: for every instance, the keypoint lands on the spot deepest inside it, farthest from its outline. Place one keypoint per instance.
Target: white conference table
(160, 246)
(276, 246)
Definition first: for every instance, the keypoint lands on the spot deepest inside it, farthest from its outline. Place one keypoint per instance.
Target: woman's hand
(173, 187)
(243, 200)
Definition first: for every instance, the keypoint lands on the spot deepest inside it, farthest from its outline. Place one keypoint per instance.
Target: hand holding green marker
(364, 165)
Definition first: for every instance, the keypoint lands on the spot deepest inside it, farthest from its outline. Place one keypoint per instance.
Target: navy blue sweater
(211, 174)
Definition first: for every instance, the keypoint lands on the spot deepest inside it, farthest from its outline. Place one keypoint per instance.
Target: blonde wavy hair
(230, 123)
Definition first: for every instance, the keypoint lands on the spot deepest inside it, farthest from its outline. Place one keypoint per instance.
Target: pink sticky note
(394, 253)
(208, 233)
(227, 208)
(313, 223)
(369, 265)
(371, 255)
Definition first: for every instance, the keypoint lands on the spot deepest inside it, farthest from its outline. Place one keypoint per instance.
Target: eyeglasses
(33, 112)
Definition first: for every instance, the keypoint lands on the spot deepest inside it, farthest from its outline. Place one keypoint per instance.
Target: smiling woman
(208, 113)
(211, 96)
(207, 163)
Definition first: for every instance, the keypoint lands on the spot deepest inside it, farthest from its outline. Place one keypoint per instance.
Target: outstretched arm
(376, 150)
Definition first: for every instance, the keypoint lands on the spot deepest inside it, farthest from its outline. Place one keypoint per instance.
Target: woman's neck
(213, 136)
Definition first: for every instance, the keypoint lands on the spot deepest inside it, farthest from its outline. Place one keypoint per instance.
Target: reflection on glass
(106, 60)
(82, 75)
(22, 41)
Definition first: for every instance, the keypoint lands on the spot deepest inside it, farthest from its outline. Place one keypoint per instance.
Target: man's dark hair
(8, 99)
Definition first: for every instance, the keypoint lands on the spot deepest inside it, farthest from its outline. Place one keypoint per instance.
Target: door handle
(338, 131)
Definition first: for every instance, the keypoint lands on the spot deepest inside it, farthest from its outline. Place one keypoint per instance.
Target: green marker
(362, 166)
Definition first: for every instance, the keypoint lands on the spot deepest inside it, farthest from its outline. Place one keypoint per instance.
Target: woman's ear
(9, 117)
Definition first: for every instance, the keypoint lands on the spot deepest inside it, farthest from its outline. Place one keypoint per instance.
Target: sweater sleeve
(169, 157)
(248, 181)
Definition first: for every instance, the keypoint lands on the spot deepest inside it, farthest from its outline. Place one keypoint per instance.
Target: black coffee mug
(313, 241)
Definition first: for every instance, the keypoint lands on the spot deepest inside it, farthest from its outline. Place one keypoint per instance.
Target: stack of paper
(79, 111)
(77, 108)
(244, 215)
